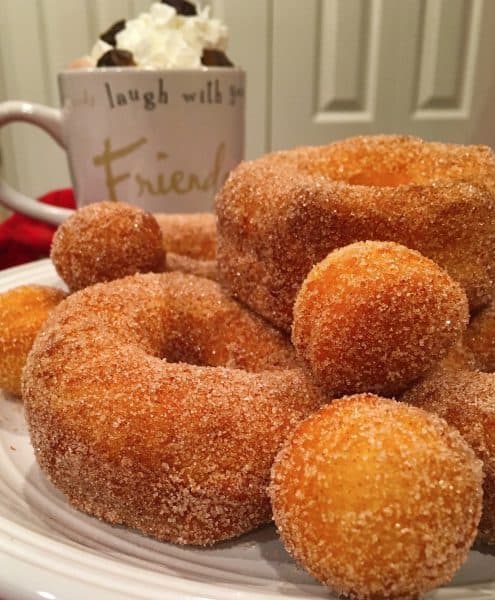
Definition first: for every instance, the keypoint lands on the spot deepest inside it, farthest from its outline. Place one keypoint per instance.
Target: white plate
(50, 551)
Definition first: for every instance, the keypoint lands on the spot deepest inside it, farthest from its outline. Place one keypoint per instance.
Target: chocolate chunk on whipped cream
(215, 58)
(109, 35)
(169, 36)
(116, 58)
(183, 7)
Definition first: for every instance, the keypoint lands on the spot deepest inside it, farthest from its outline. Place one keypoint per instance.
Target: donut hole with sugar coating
(376, 316)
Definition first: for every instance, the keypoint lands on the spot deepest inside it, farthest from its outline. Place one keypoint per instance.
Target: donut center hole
(379, 179)
(176, 351)
(381, 172)
(189, 346)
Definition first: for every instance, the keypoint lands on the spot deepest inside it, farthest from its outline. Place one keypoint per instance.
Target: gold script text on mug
(178, 181)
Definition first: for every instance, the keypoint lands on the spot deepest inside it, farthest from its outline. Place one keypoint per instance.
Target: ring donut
(190, 242)
(284, 212)
(193, 235)
(134, 435)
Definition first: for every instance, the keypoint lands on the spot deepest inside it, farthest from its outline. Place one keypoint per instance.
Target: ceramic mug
(164, 140)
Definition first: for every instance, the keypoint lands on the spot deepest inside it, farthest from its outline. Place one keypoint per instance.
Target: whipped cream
(163, 39)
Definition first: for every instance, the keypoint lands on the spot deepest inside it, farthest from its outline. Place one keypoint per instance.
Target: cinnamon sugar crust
(375, 317)
(376, 499)
(466, 400)
(23, 310)
(157, 402)
(284, 212)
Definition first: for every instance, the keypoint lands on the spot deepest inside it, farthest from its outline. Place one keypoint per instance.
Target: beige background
(318, 70)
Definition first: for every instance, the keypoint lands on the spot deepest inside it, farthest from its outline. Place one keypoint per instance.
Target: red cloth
(23, 239)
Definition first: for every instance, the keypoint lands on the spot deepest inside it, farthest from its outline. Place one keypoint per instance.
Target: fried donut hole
(376, 499)
(466, 400)
(375, 316)
(106, 241)
(23, 310)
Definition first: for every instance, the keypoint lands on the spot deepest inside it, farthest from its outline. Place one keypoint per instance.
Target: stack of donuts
(349, 396)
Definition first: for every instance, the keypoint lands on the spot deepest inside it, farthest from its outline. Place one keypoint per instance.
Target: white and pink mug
(164, 140)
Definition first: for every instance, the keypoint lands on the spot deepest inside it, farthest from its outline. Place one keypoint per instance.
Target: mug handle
(50, 120)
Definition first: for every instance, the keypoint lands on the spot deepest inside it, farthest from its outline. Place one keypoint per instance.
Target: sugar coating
(190, 243)
(157, 402)
(375, 317)
(480, 338)
(192, 235)
(23, 310)
(284, 212)
(105, 241)
(194, 266)
(376, 499)
(459, 357)
(466, 400)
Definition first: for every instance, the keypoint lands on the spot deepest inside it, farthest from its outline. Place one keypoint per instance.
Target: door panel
(423, 67)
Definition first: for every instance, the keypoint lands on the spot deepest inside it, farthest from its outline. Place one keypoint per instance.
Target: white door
(348, 67)
(318, 70)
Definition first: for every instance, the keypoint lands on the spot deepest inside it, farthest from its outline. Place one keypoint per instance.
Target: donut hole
(105, 241)
(380, 179)
(382, 173)
(388, 488)
(215, 343)
(188, 349)
(363, 174)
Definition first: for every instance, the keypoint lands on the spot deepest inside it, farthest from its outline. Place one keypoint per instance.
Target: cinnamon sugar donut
(23, 310)
(377, 499)
(282, 213)
(134, 435)
(105, 241)
(193, 235)
(193, 266)
(466, 400)
(109, 240)
(190, 242)
(375, 317)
